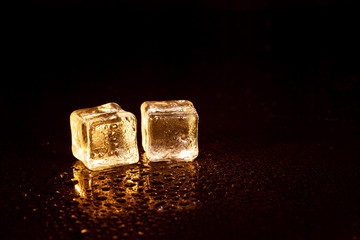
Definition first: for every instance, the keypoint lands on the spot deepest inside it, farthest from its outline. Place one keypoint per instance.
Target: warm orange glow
(169, 130)
(159, 186)
(104, 136)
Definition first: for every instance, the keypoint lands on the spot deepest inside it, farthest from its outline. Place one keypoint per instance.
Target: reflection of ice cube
(104, 136)
(136, 188)
(169, 130)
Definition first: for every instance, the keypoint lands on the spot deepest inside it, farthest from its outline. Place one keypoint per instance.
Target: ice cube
(169, 130)
(104, 136)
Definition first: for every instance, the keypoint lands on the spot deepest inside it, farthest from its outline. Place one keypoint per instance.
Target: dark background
(267, 78)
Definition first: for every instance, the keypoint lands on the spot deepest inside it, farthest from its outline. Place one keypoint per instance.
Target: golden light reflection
(132, 188)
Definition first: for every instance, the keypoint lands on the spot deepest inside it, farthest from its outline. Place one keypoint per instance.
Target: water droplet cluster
(228, 192)
(154, 187)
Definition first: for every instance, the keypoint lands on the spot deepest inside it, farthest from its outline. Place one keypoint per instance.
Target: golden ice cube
(169, 130)
(104, 136)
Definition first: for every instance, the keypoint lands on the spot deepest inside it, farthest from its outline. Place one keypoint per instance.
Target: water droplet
(129, 184)
(101, 198)
(121, 200)
(120, 194)
(169, 179)
(156, 183)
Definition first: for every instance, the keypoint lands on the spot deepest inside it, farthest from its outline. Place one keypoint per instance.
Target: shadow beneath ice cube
(136, 188)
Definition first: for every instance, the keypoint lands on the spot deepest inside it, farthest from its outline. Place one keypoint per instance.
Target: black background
(259, 73)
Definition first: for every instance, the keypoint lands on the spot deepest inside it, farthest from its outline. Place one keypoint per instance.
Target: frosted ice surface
(104, 136)
(169, 130)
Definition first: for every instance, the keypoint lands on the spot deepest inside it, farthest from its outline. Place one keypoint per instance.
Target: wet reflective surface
(136, 188)
(234, 189)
